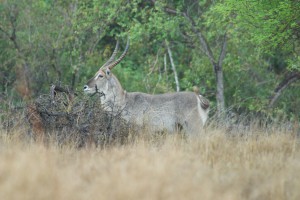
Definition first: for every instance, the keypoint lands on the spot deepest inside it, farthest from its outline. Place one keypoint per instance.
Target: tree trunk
(220, 89)
(217, 64)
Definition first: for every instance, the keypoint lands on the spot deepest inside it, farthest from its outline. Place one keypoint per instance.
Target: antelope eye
(100, 76)
(107, 71)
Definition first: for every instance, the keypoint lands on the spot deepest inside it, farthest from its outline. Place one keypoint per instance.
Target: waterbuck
(162, 112)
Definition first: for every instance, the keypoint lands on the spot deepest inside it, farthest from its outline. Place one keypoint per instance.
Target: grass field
(256, 165)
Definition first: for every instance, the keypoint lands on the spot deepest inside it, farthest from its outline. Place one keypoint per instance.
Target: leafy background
(54, 41)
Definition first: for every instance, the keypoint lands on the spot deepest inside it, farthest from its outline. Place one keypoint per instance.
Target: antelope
(161, 112)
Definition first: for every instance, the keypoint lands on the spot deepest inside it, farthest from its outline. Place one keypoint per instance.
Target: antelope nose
(85, 87)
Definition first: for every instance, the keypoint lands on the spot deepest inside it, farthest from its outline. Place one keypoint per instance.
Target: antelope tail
(203, 102)
(203, 108)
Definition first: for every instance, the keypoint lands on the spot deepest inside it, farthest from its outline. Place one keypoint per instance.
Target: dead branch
(291, 78)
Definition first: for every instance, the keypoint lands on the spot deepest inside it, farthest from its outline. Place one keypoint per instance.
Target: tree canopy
(243, 55)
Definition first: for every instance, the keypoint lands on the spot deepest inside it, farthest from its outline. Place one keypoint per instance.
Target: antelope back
(167, 111)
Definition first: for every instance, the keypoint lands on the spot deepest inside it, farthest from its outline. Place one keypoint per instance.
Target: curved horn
(112, 57)
(110, 66)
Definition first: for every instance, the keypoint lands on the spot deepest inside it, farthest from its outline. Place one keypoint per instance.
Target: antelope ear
(107, 71)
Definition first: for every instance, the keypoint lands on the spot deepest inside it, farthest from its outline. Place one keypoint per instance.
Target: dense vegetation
(243, 55)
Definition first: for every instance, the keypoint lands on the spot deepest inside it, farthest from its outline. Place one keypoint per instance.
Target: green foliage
(267, 36)
(63, 41)
(272, 25)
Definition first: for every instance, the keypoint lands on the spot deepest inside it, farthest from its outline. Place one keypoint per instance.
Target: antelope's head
(104, 82)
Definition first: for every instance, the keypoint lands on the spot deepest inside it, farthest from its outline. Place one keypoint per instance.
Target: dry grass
(212, 166)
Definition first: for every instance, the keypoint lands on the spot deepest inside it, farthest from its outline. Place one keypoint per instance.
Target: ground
(258, 164)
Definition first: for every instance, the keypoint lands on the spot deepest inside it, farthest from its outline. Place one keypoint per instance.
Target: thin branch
(165, 64)
(5, 32)
(13, 20)
(54, 89)
(12, 37)
(173, 67)
(202, 39)
(74, 74)
(154, 63)
(153, 1)
(223, 50)
(171, 11)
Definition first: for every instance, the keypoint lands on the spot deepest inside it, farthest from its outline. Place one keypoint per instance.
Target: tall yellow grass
(214, 166)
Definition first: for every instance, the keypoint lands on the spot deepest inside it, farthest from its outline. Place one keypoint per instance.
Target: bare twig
(55, 88)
